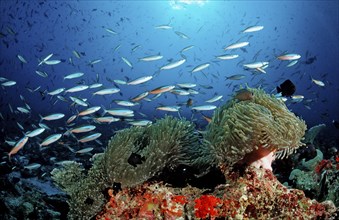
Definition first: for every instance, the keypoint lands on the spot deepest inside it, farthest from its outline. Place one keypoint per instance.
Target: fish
(256, 65)
(21, 58)
(74, 75)
(173, 64)
(253, 29)
(107, 91)
(135, 159)
(18, 146)
(127, 62)
(32, 166)
(236, 77)
(236, 45)
(45, 59)
(77, 88)
(71, 119)
(140, 80)
(151, 58)
(57, 91)
(140, 122)
(90, 137)
(180, 92)
(290, 56)
(140, 96)
(35, 132)
(336, 124)
(186, 48)
(162, 89)
(107, 119)
(110, 31)
(90, 110)
(208, 119)
(94, 62)
(52, 62)
(200, 67)
(163, 27)
(287, 88)
(186, 85)
(173, 108)
(120, 112)
(292, 63)
(51, 139)
(52, 117)
(227, 56)
(85, 150)
(23, 110)
(41, 73)
(318, 82)
(243, 95)
(95, 85)
(214, 99)
(79, 101)
(8, 83)
(121, 82)
(76, 54)
(82, 129)
(182, 35)
(204, 107)
(126, 103)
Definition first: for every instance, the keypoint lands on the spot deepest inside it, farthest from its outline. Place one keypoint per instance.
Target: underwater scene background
(82, 71)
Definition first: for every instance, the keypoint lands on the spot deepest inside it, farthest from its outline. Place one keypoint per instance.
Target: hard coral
(254, 128)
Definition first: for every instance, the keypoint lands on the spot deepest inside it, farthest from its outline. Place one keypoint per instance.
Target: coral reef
(251, 129)
(255, 195)
(132, 157)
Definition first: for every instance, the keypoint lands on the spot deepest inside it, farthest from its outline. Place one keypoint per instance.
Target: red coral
(324, 164)
(205, 206)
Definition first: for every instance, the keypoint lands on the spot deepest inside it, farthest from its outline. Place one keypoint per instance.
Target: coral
(312, 133)
(256, 195)
(132, 157)
(311, 164)
(251, 129)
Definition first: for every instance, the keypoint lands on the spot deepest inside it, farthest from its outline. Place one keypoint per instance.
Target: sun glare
(182, 4)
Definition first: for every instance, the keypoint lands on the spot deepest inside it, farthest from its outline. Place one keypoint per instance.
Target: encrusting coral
(248, 130)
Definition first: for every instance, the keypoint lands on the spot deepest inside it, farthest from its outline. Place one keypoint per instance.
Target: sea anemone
(248, 130)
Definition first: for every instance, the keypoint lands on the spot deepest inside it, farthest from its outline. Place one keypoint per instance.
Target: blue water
(308, 28)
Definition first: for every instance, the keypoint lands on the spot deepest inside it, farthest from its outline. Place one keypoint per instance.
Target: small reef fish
(227, 56)
(237, 45)
(85, 150)
(19, 145)
(151, 58)
(110, 31)
(95, 85)
(107, 91)
(121, 82)
(139, 97)
(292, 63)
(214, 99)
(52, 117)
(140, 80)
(318, 82)
(127, 62)
(77, 88)
(180, 92)
(182, 35)
(163, 27)
(120, 112)
(23, 110)
(71, 119)
(45, 59)
(82, 129)
(52, 62)
(290, 56)
(243, 95)
(236, 77)
(107, 119)
(51, 139)
(256, 65)
(168, 108)
(186, 85)
(90, 110)
(173, 64)
(76, 54)
(74, 75)
(162, 89)
(94, 62)
(79, 101)
(204, 107)
(287, 88)
(35, 132)
(200, 67)
(21, 58)
(126, 103)
(41, 73)
(253, 29)
(8, 83)
(140, 122)
(186, 48)
(90, 137)
(56, 92)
